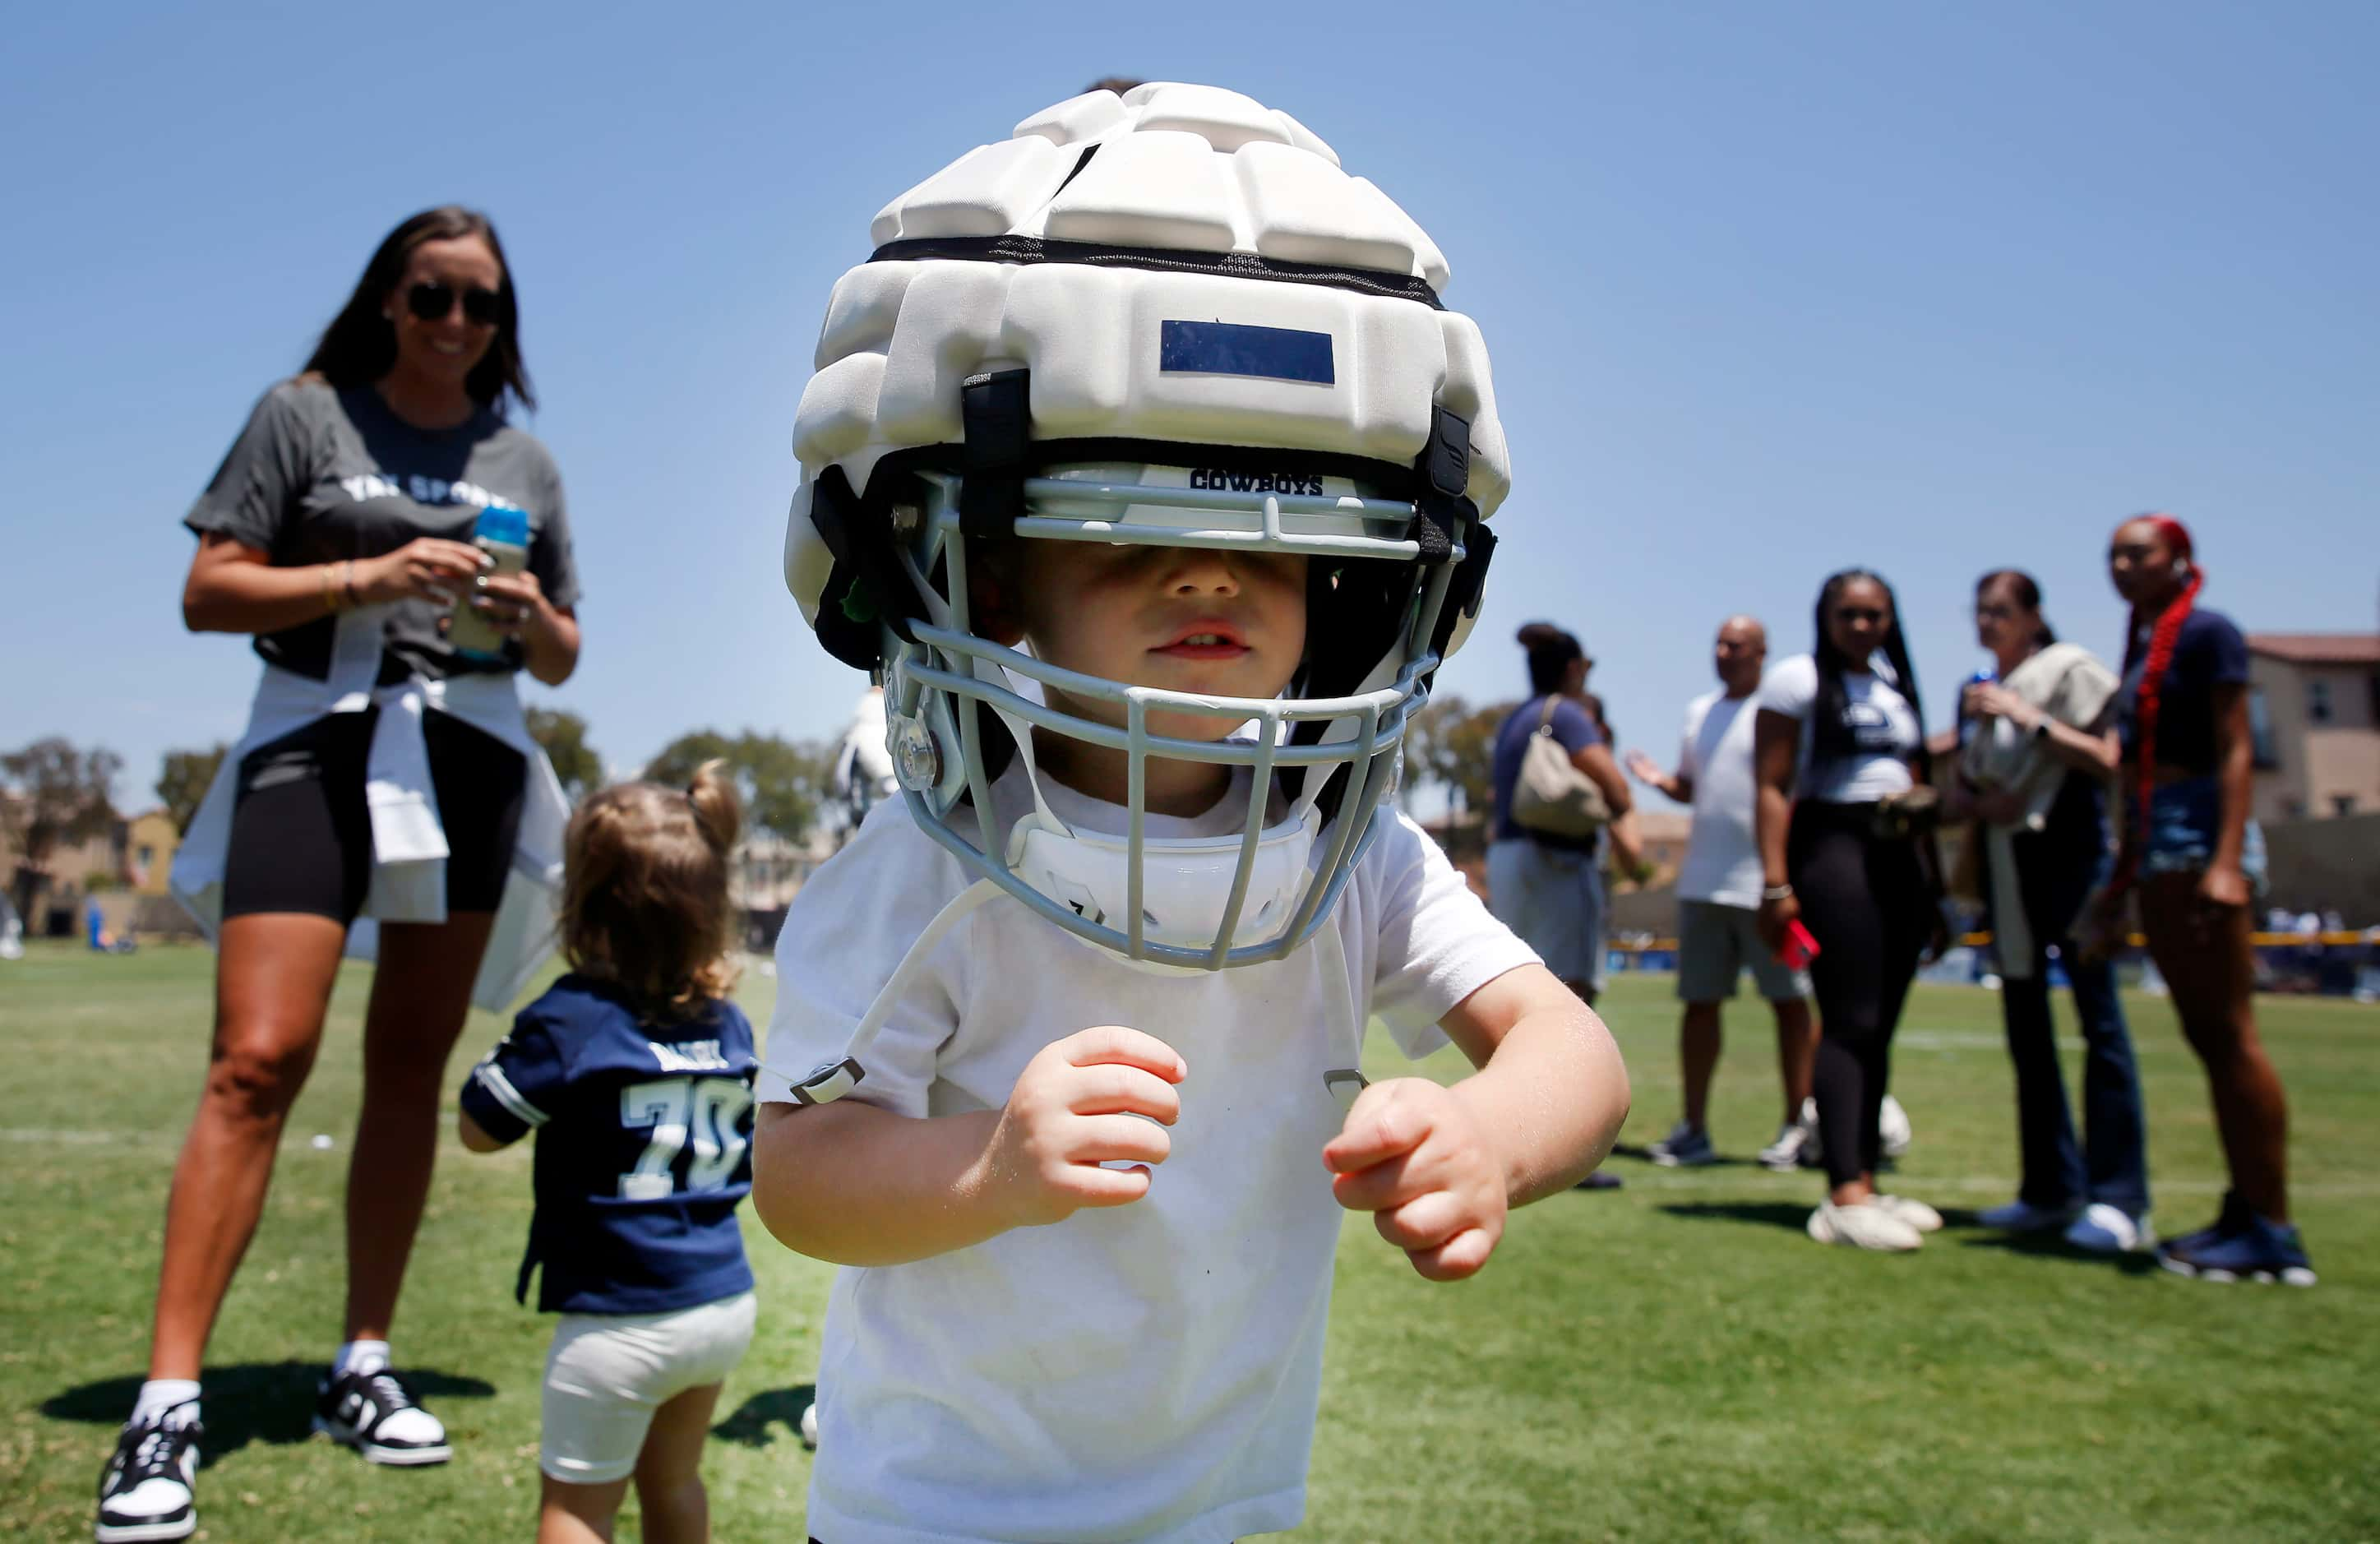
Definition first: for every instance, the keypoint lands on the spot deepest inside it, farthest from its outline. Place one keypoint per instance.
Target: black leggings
(301, 834)
(1865, 899)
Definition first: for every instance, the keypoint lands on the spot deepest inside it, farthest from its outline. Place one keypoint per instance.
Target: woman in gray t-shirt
(338, 533)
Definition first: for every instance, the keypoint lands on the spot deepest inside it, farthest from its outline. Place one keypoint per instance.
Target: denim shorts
(2185, 822)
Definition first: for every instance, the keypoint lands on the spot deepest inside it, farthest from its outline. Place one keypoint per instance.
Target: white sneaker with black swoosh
(375, 1413)
(147, 1491)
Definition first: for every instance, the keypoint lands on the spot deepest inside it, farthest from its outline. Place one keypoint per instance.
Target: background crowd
(2099, 798)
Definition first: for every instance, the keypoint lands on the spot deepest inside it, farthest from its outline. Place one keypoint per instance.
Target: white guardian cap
(1168, 318)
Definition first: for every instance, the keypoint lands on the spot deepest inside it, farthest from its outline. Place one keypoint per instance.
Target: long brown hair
(359, 344)
(2028, 594)
(644, 897)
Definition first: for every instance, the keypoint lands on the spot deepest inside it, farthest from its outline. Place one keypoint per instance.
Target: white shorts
(608, 1373)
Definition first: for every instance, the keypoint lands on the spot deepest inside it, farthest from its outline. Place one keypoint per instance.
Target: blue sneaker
(1686, 1147)
(2261, 1252)
(2233, 1219)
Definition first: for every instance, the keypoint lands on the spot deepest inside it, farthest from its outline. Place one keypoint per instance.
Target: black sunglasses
(435, 302)
(1860, 613)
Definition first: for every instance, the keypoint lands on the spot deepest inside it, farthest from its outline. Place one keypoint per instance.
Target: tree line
(59, 794)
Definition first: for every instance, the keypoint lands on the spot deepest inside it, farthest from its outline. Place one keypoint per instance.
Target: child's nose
(1200, 571)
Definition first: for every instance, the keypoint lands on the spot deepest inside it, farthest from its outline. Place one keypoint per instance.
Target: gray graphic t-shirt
(323, 474)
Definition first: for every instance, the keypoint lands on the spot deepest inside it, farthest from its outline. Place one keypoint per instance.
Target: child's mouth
(1205, 643)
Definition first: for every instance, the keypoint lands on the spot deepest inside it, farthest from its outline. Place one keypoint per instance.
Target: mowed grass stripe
(1672, 1360)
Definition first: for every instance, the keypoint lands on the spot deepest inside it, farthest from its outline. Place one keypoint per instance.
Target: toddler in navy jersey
(636, 1072)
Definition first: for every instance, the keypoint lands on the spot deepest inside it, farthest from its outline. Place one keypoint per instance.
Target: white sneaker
(1916, 1213)
(2108, 1230)
(1894, 1133)
(1865, 1226)
(1893, 1130)
(1794, 1143)
(146, 1493)
(1686, 1147)
(2022, 1216)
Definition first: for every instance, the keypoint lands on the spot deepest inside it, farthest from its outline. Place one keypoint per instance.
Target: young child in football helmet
(1146, 468)
(635, 1071)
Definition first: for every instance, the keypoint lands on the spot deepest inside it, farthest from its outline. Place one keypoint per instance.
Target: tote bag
(1552, 795)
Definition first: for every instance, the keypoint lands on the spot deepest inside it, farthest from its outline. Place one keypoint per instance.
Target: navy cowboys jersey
(644, 1133)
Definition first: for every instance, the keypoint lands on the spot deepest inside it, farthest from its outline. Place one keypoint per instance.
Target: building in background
(2314, 707)
(150, 842)
(767, 871)
(51, 892)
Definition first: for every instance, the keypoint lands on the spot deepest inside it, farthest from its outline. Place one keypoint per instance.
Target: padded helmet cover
(1080, 248)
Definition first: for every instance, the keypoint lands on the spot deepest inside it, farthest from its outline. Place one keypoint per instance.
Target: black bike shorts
(301, 836)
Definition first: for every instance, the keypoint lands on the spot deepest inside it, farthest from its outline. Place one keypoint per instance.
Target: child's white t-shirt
(1148, 1371)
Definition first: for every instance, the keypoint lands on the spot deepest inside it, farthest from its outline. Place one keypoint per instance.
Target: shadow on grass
(1794, 1215)
(751, 1423)
(1644, 1155)
(254, 1401)
(2047, 1244)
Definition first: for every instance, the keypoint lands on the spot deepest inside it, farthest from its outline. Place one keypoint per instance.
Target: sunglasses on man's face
(435, 302)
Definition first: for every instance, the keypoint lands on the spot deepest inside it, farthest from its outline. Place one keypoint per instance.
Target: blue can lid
(503, 522)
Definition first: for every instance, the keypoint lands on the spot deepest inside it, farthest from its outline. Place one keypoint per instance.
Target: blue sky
(1770, 290)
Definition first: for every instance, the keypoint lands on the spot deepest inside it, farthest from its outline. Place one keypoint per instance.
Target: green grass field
(1671, 1361)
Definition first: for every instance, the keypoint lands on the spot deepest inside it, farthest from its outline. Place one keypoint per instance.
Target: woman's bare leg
(420, 992)
(273, 974)
(2208, 962)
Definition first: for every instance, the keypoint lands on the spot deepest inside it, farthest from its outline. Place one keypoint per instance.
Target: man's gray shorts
(1715, 943)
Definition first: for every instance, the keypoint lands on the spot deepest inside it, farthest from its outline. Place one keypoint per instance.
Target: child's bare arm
(1440, 1166)
(1551, 1086)
(858, 1186)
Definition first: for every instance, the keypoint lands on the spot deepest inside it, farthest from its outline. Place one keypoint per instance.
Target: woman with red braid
(2194, 856)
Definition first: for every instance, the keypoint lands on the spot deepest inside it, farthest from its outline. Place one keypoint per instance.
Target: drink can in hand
(502, 533)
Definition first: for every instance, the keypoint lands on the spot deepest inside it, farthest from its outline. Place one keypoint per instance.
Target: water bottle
(502, 533)
(1983, 678)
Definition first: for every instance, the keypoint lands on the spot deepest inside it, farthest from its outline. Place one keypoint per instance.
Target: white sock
(159, 1395)
(359, 1357)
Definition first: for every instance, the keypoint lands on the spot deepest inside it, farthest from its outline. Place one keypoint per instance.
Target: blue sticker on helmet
(1229, 348)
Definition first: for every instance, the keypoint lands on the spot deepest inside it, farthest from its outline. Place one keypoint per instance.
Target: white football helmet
(1168, 318)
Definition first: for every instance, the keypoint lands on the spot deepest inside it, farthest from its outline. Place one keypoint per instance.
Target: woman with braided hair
(2194, 858)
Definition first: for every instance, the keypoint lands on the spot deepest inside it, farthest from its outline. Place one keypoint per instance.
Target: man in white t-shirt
(1718, 899)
